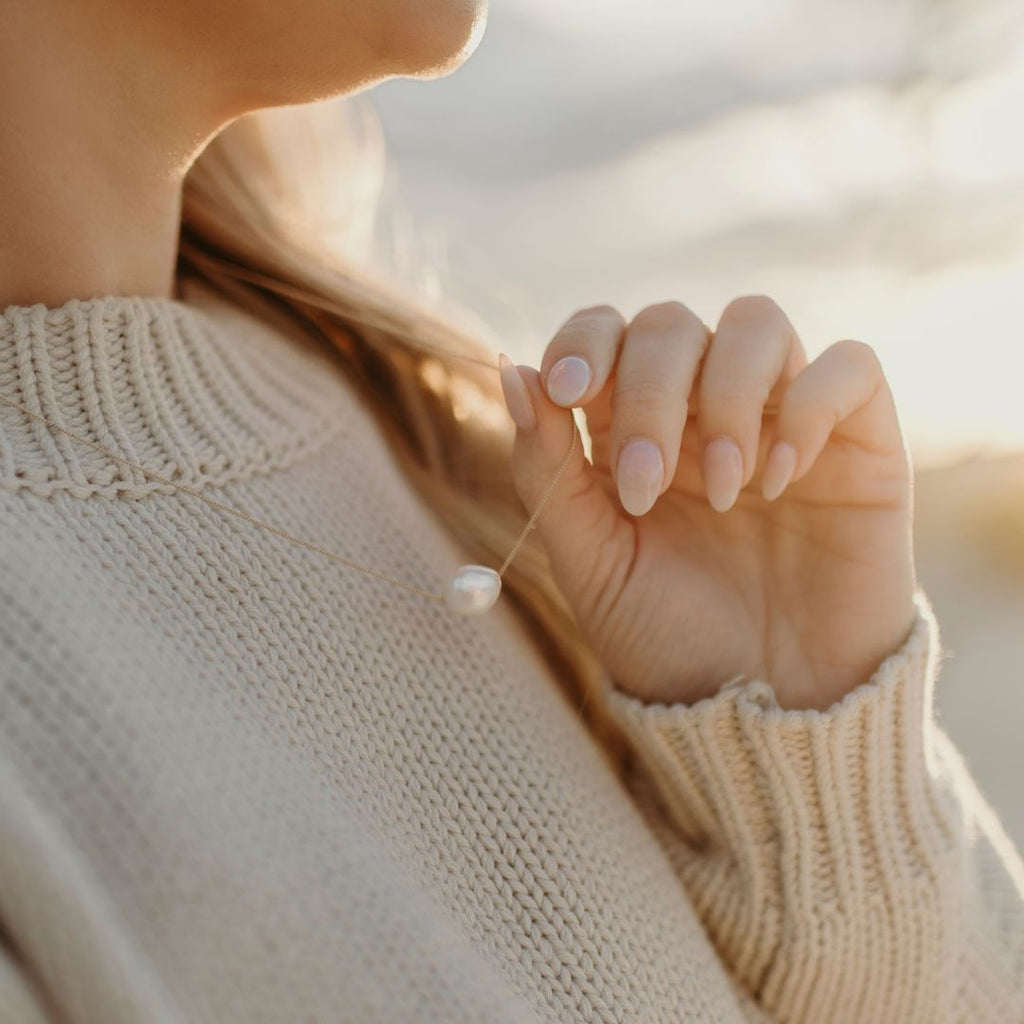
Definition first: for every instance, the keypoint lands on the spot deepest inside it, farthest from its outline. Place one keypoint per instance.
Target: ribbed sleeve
(842, 861)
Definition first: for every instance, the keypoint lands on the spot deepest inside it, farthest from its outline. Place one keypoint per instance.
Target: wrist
(802, 675)
(818, 679)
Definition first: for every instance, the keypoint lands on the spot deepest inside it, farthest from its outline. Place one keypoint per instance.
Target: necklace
(472, 590)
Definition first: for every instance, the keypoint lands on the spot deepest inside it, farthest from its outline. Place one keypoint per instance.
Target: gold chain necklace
(471, 591)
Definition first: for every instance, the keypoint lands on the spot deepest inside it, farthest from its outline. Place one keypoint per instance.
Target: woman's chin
(445, 38)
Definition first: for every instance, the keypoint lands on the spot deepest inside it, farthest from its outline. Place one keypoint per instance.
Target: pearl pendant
(472, 590)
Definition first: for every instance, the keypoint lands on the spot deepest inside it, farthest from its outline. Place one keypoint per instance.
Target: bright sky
(857, 160)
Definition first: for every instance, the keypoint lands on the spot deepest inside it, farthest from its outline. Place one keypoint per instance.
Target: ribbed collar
(194, 388)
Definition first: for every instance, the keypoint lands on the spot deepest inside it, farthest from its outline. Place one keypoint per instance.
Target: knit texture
(240, 782)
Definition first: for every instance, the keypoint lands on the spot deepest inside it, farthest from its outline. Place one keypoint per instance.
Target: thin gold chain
(277, 530)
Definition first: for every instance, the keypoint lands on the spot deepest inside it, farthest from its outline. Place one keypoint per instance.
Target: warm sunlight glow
(871, 181)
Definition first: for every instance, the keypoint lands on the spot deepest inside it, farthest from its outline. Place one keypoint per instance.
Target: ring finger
(755, 354)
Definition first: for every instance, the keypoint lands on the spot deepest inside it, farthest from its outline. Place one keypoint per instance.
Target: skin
(106, 103)
(809, 591)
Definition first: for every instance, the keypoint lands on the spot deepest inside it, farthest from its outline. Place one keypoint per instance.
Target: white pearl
(472, 590)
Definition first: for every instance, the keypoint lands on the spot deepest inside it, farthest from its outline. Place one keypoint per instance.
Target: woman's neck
(94, 146)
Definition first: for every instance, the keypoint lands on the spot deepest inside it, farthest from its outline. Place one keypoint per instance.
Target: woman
(685, 769)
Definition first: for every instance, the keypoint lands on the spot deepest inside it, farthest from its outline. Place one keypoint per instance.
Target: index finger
(580, 357)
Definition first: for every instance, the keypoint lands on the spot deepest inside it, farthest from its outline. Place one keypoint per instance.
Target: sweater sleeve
(842, 861)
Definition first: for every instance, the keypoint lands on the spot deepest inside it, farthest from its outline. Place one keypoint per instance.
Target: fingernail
(517, 397)
(723, 472)
(778, 470)
(640, 474)
(567, 380)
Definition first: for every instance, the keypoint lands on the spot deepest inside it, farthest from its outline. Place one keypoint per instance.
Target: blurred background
(861, 161)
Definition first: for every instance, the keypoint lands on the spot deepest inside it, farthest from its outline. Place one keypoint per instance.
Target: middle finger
(659, 361)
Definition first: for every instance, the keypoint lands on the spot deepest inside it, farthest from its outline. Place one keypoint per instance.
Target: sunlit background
(861, 161)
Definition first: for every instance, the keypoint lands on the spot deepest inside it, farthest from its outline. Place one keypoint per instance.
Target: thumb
(579, 518)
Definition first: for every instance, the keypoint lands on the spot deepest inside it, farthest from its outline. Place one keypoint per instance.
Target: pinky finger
(843, 392)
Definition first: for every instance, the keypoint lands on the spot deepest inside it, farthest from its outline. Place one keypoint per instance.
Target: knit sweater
(240, 782)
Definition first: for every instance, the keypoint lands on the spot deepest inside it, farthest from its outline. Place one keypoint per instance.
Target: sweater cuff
(823, 808)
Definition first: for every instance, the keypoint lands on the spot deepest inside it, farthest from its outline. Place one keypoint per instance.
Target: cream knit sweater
(240, 783)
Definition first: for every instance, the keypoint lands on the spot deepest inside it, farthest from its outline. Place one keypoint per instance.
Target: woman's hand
(809, 591)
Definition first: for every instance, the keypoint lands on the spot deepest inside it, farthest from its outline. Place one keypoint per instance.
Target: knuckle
(671, 313)
(589, 326)
(577, 334)
(645, 394)
(859, 352)
(601, 311)
(753, 307)
(595, 319)
(728, 409)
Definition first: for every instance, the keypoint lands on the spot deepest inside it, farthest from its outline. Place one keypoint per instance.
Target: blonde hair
(278, 216)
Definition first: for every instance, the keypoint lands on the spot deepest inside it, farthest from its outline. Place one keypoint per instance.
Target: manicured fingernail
(723, 472)
(640, 474)
(567, 380)
(778, 470)
(517, 397)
